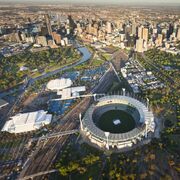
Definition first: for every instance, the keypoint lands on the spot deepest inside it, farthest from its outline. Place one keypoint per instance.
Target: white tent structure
(24, 122)
(58, 84)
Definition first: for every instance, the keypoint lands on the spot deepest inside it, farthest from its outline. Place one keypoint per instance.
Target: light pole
(146, 123)
(107, 135)
(80, 119)
(94, 97)
(124, 91)
(147, 103)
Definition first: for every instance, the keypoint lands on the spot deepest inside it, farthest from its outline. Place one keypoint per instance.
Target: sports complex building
(117, 122)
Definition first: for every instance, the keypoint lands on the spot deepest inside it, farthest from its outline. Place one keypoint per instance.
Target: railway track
(46, 151)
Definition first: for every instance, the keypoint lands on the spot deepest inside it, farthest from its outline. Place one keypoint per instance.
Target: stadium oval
(143, 118)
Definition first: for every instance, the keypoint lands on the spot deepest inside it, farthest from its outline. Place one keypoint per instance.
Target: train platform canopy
(3, 103)
(58, 84)
(24, 122)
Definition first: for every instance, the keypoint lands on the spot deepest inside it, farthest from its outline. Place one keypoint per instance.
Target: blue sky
(101, 1)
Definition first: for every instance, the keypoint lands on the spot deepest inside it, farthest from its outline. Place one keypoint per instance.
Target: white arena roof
(25, 122)
(58, 84)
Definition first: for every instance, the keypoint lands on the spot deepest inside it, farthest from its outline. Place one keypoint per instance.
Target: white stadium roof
(145, 117)
(58, 84)
(24, 122)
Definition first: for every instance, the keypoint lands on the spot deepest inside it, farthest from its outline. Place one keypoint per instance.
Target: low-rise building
(24, 122)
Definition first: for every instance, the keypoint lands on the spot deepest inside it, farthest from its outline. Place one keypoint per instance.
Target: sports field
(107, 122)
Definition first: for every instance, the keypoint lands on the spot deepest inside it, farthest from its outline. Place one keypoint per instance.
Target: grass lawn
(105, 122)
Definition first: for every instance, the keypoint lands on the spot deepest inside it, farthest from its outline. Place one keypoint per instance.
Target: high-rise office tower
(134, 28)
(178, 34)
(145, 34)
(108, 28)
(140, 32)
(48, 23)
(71, 23)
(159, 40)
(139, 45)
(170, 30)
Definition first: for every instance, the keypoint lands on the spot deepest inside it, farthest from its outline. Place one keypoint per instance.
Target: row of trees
(10, 73)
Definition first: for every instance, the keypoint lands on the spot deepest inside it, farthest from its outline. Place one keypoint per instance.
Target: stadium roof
(58, 84)
(145, 117)
(24, 122)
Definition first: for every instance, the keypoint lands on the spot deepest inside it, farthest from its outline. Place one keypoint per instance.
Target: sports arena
(117, 122)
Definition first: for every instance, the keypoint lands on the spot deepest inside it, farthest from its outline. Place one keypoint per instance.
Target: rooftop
(24, 122)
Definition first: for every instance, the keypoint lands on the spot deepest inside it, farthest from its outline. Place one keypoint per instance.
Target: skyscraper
(48, 23)
(71, 23)
(145, 34)
(108, 28)
(134, 28)
(139, 45)
(178, 34)
(140, 32)
(159, 40)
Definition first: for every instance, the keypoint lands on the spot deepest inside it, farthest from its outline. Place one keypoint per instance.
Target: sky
(99, 1)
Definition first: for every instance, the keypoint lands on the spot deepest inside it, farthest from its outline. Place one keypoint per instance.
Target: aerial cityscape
(90, 90)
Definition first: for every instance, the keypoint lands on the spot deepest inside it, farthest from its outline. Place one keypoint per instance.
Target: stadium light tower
(146, 123)
(147, 103)
(124, 91)
(80, 119)
(95, 97)
(107, 136)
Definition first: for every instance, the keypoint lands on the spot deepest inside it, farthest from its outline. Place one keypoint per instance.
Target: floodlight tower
(147, 103)
(107, 136)
(95, 99)
(146, 124)
(80, 119)
(124, 91)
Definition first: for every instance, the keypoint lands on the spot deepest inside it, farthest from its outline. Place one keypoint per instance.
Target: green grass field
(105, 122)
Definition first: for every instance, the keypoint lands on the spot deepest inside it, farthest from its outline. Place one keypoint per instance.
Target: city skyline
(89, 89)
(129, 2)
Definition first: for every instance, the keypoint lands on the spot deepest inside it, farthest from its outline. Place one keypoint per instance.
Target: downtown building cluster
(47, 31)
(141, 37)
(131, 29)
